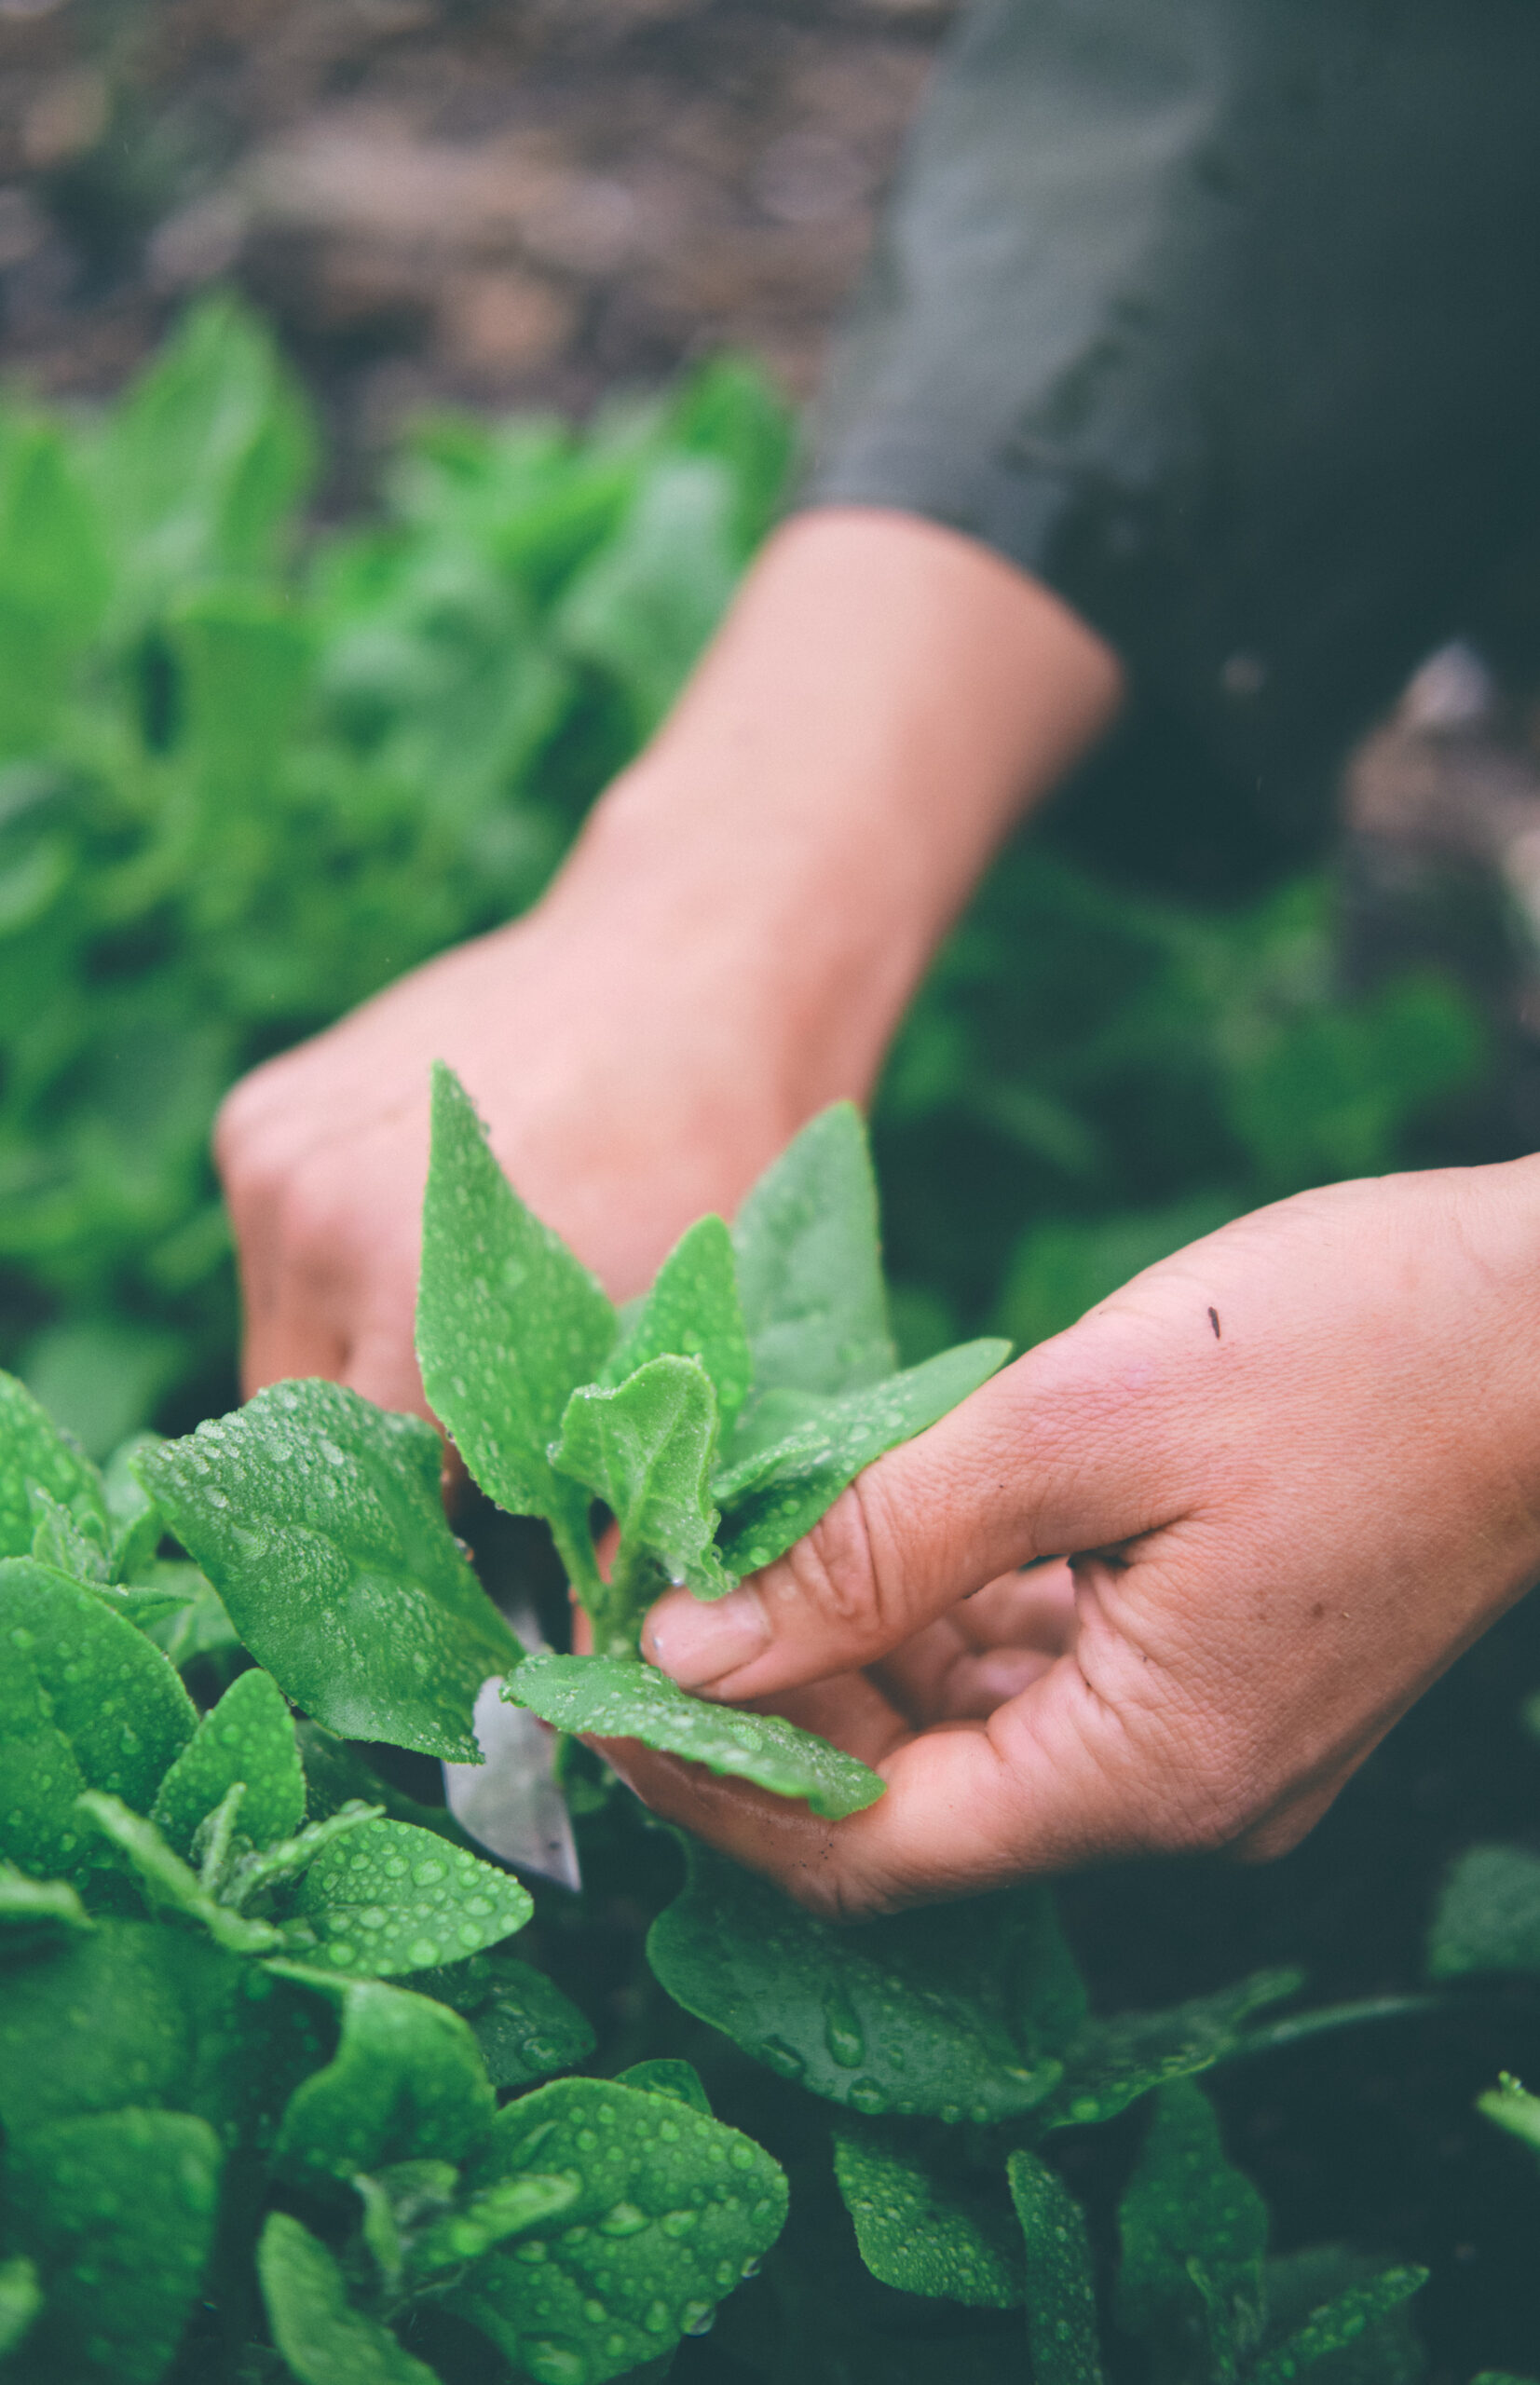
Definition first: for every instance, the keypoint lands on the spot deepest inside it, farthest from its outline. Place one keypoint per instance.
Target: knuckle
(834, 1569)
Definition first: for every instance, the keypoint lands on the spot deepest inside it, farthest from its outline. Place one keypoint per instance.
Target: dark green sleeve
(1223, 317)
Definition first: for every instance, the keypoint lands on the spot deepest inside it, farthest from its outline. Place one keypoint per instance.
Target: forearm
(884, 703)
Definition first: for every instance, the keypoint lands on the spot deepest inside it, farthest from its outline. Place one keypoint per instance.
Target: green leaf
(809, 1265)
(671, 2207)
(772, 1499)
(249, 1736)
(119, 2211)
(526, 2027)
(922, 2233)
(666, 2075)
(1389, 2352)
(643, 608)
(20, 2300)
(319, 1520)
(33, 1450)
(407, 2083)
(74, 1547)
(646, 1449)
(37, 1913)
(1513, 2110)
(85, 1701)
(137, 1526)
(1194, 2237)
(508, 1325)
(169, 1881)
(255, 2038)
(321, 2337)
(694, 1311)
(1488, 1916)
(508, 2207)
(389, 1898)
(1338, 2322)
(208, 454)
(619, 1697)
(98, 2023)
(952, 2011)
(1111, 2063)
(1061, 2303)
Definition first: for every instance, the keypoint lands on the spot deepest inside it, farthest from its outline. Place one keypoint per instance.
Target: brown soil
(506, 201)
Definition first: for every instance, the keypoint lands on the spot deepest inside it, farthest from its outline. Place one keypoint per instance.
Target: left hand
(1298, 1467)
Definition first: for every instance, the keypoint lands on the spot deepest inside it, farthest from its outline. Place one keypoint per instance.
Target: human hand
(1299, 1467)
(728, 949)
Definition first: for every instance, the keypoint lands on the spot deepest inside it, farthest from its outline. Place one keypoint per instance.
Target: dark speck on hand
(1214, 1321)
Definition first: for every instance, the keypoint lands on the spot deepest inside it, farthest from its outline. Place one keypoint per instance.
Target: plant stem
(1276, 2037)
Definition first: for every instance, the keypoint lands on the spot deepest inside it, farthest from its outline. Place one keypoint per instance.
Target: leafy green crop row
(238, 2146)
(247, 775)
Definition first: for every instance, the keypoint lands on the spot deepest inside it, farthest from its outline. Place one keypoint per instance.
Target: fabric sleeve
(1223, 318)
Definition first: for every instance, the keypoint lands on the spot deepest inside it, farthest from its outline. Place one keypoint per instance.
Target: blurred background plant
(250, 775)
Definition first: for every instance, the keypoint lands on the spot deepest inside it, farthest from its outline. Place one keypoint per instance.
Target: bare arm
(731, 944)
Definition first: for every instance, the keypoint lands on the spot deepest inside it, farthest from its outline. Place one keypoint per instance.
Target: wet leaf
(670, 2209)
(508, 1325)
(619, 1697)
(526, 2027)
(936, 2011)
(1112, 2063)
(117, 2209)
(389, 1898)
(317, 1518)
(85, 1701)
(923, 2232)
(809, 1265)
(33, 1451)
(1194, 2237)
(1337, 2324)
(1061, 2302)
(647, 1448)
(322, 2338)
(406, 2084)
(249, 1736)
(694, 1311)
(98, 2022)
(20, 2300)
(667, 2076)
(35, 1914)
(168, 1882)
(770, 1500)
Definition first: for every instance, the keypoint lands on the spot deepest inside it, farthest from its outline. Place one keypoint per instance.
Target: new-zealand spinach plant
(278, 2100)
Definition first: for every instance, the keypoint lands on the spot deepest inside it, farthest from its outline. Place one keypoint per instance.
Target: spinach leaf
(809, 1265)
(119, 2211)
(1061, 2303)
(169, 1883)
(98, 2023)
(249, 1738)
(936, 2011)
(694, 1311)
(74, 1547)
(85, 1702)
(389, 1898)
(619, 1697)
(37, 1913)
(646, 1449)
(317, 1518)
(671, 2207)
(664, 2075)
(1488, 1916)
(526, 2027)
(923, 2232)
(1338, 2324)
(405, 2085)
(509, 1325)
(1111, 2063)
(33, 1451)
(322, 2338)
(1195, 2238)
(772, 1499)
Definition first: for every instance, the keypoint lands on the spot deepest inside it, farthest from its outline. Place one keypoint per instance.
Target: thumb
(1064, 1450)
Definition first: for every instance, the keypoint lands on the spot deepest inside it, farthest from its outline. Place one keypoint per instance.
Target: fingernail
(695, 1643)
